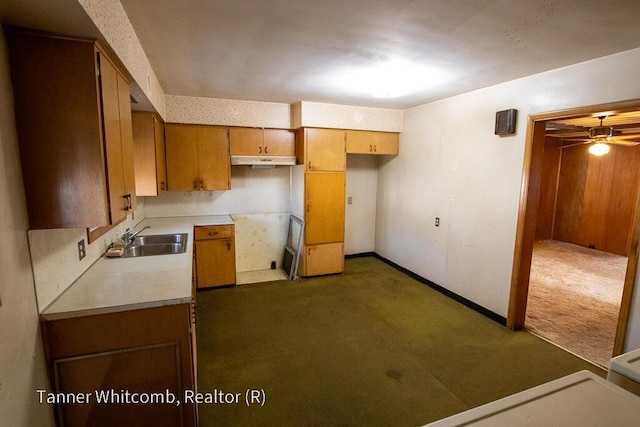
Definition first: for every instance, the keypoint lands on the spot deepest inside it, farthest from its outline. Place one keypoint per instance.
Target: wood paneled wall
(589, 200)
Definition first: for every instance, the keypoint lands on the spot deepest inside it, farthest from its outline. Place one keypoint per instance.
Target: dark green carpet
(367, 347)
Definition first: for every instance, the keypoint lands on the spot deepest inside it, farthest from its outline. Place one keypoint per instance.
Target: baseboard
(462, 300)
(362, 255)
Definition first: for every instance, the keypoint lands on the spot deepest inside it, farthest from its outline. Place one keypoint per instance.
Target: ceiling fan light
(599, 149)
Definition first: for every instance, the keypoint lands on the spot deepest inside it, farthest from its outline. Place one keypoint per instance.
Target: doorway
(531, 190)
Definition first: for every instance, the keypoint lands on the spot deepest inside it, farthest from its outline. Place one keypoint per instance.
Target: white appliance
(624, 370)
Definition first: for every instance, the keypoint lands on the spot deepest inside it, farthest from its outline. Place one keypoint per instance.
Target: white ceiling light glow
(392, 80)
(599, 149)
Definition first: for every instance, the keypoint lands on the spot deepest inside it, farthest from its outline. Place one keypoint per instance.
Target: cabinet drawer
(213, 232)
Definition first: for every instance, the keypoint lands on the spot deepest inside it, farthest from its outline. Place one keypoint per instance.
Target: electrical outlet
(82, 252)
(349, 200)
(437, 222)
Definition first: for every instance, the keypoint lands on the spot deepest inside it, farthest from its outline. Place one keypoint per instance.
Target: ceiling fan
(601, 136)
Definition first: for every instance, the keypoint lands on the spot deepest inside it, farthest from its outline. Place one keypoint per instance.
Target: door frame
(527, 216)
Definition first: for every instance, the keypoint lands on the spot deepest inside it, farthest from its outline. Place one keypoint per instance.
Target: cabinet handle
(308, 208)
(309, 165)
(370, 148)
(266, 150)
(195, 184)
(162, 186)
(375, 148)
(309, 252)
(260, 150)
(228, 246)
(201, 185)
(127, 200)
(213, 233)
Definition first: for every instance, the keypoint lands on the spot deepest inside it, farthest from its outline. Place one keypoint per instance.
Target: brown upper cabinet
(261, 142)
(321, 149)
(369, 142)
(197, 157)
(149, 154)
(73, 119)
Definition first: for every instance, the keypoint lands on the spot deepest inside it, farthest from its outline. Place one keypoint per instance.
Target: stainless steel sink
(157, 244)
(158, 239)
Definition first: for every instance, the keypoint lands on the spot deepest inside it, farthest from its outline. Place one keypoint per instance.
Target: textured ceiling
(292, 50)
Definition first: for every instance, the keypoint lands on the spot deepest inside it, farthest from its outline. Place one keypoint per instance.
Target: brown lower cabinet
(326, 258)
(215, 256)
(123, 368)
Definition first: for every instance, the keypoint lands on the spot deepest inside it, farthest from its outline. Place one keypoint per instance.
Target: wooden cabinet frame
(261, 142)
(144, 350)
(215, 255)
(197, 157)
(75, 148)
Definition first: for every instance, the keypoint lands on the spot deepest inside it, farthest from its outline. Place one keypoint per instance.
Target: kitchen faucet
(129, 234)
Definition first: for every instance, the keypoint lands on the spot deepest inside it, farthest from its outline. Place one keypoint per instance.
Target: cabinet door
(386, 143)
(366, 142)
(215, 263)
(146, 350)
(161, 159)
(149, 154)
(126, 133)
(182, 157)
(60, 134)
(323, 259)
(279, 142)
(324, 210)
(325, 150)
(245, 141)
(113, 140)
(214, 163)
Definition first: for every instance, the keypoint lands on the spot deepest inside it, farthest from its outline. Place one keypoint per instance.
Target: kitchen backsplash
(54, 255)
(260, 239)
(252, 192)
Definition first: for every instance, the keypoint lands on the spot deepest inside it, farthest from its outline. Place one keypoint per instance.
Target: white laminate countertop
(580, 399)
(119, 284)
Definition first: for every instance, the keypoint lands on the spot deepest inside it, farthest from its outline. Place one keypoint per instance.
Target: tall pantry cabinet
(322, 151)
(73, 119)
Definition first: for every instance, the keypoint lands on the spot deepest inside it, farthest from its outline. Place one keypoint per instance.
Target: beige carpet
(574, 298)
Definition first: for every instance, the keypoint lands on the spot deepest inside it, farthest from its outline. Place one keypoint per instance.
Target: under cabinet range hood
(263, 161)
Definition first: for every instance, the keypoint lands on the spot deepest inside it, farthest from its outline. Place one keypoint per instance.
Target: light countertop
(627, 364)
(119, 284)
(578, 399)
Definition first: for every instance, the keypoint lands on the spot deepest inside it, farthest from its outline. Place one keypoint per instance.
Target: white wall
(360, 215)
(452, 166)
(22, 366)
(259, 201)
(54, 255)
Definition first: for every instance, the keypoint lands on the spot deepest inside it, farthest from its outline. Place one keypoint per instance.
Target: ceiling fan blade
(575, 144)
(623, 142)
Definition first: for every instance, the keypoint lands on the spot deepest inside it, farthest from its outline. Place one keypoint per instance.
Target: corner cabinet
(322, 151)
(149, 154)
(73, 120)
(197, 157)
(215, 255)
